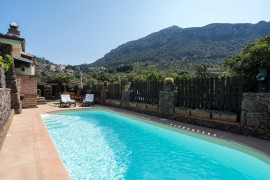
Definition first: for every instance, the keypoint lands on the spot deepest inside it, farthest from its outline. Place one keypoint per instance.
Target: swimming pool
(101, 144)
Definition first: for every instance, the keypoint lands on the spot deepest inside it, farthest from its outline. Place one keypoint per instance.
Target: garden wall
(255, 116)
(5, 107)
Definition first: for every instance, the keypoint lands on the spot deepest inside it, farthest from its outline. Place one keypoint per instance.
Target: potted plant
(168, 84)
(182, 110)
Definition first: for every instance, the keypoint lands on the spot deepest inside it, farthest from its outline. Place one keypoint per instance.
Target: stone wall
(5, 107)
(2, 78)
(4, 99)
(166, 102)
(11, 83)
(126, 97)
(255, 117)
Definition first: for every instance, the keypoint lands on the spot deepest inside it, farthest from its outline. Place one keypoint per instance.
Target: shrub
(6, 61)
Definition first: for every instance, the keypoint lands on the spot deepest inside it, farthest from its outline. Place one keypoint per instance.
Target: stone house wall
(28, 84)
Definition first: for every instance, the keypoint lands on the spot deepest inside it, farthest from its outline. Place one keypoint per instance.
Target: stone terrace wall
(255, 118)
(11, 83)
(4, 98)
(5, 106)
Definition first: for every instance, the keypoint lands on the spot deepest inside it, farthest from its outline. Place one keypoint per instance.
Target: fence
(147, 92)
(96, 88)
(115, 91)
(211, 93)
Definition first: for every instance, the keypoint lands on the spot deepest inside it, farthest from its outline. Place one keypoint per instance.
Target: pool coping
(32, 160)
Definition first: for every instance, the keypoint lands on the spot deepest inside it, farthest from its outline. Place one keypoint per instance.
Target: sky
(82, 31)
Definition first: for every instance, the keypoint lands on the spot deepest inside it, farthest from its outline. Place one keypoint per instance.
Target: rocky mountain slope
(213, 43)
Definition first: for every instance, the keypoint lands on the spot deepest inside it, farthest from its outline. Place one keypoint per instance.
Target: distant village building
(24, 64)
(52, 67)
(57, 68)
(60, 68)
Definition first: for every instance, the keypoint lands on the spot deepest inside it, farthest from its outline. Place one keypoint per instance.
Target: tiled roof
(22, 59)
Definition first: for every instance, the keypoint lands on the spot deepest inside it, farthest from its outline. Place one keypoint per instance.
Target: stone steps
(41, 100)
(29, 101)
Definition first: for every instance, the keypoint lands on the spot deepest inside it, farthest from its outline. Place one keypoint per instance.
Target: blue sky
(82, 31)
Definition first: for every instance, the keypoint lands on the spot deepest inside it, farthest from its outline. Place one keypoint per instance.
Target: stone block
(209, 124)
(261, 131)
(253, 122)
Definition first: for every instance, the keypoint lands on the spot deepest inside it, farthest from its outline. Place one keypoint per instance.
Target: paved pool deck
(29, 153)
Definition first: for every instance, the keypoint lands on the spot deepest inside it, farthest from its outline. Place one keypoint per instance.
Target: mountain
(180, 46)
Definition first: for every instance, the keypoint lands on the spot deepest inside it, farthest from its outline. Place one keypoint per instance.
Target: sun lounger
(65, 100)
(89, 100)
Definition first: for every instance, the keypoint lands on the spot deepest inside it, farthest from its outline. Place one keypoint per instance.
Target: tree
(139, 78)
(248, 61)
(60, 79)
(201, 71)
(154, 76)
(90, 81)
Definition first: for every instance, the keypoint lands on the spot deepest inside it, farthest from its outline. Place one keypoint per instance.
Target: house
(24, 65)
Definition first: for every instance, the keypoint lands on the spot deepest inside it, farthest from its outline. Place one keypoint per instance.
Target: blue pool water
(99, 144)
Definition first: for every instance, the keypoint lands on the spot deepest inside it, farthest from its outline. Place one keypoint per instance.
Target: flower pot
(141, 105)
(132, 104)
(107, 101)
(224, 117)
(152, 107)
(113, 102)
(199, 113)
(117, 102)
(185, 112)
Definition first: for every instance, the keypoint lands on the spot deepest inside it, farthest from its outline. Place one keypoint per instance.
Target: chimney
(13, 30)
